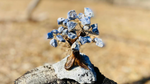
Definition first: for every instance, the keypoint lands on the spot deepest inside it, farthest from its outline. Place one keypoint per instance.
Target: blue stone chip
(49, 35)
(60, 29)
(55, 31)
(65, 22)
(88, 12)
(85, 21)
(82, 40)
(60, 20)
(71, 25)
(53, 43)
(88, 39)
(72, 15)
(72, 35)
(99, 42)
(65, 32)
(80, 16)
(60, 38)
(95, 29)
(86, 28)
(85, 39)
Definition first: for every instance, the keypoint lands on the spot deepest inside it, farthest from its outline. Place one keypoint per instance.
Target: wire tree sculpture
(75, 31)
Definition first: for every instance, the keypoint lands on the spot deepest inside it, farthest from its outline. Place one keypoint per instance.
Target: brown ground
(125, 31)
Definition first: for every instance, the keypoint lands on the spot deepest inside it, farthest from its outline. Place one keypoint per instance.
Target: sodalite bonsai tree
(76, 30)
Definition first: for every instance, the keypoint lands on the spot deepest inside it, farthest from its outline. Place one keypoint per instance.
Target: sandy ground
(125, 31)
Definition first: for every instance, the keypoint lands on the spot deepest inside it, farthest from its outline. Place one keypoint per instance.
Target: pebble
(72, 15)
(82, 40)
(60, 20)
(60, 29)
(53, 43)
(55, 31)
(88, 12)
(72, 35)
(49, 35)
(99, 42)
(60, 38)
(85, 21)
(65, 32)
(86, 28)
(65, 22)
(95, 29)
(71, 25)
(85, 39)
(88, 39)
(80, 16)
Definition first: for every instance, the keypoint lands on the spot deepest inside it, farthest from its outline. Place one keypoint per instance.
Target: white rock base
(78, 74)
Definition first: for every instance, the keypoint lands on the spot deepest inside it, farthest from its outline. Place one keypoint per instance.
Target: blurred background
(124, 26)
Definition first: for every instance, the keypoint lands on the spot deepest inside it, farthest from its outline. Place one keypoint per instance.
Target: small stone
(88, 39)
(95, 29)
(53, 43)
(60, 29)
(72, 35)
(80, 16)
(72, 15)
(65, 32)
(82, 40)
(55, 31)
(85, 39)
(99, 42)
(60, 38)
(49, 35)
(75, 46)
(85, 21)
(86, 28)
(88, 12)
(65, 22)
(71, 25)
(60, 20)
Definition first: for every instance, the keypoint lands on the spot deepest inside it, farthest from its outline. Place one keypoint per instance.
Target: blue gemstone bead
(60, 20)
(65, 32)
(88, 39)
(55, 31)
(71, 25)
(85, 21)
(72, 15)
(53, 43)
(88, 12)
(99, 42)
(60, 38)
(86, 28)
(72, 35)
(85, 39)
(60, 29)
(82, 40)
(65, 22)
(80, 16)
(49, 35)
(95, 29)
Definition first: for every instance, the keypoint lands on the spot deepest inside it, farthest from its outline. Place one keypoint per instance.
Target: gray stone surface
(40, 75)
(78, 74)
